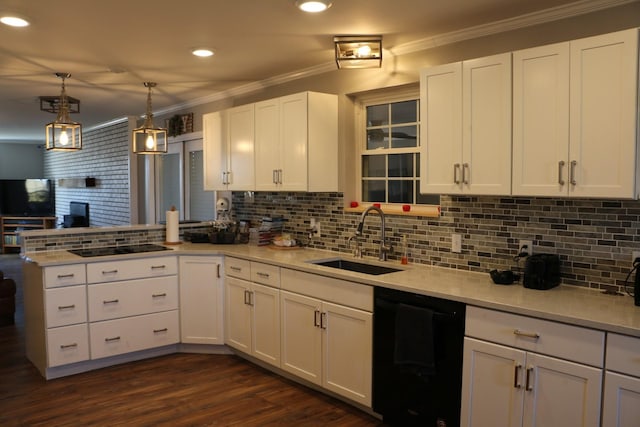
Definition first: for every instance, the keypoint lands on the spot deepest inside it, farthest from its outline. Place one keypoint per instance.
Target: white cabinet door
(294, 119)
(486, 124)
(68, 344)
(604, 91)
(621, 407)
(561, 393)
(301, 336)
(266, 323)
(492, 385)
(240, 175)
(267, 144)
(441, 129)
(201, 300)
(347, 347)
(238, 314)
(541, 121)
(214, 147)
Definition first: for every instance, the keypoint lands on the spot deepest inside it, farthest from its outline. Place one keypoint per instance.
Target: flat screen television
(27, 197)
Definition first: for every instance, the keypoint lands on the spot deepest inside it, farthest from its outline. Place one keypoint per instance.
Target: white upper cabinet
(541, 120)
(574, 127)
(229, 149)
(296, 143)
(466, 127)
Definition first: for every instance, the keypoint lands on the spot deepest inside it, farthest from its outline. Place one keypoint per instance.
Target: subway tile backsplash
(594, 238)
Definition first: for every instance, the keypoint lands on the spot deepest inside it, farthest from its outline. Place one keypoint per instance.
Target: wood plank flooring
(180, 389)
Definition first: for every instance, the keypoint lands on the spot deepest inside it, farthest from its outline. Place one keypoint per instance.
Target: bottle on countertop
(405, 256)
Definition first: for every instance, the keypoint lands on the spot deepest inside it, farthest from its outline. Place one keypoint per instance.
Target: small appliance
(542, 271)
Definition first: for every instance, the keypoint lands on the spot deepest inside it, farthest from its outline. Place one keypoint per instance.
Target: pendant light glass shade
(63, 134)
(149, 139)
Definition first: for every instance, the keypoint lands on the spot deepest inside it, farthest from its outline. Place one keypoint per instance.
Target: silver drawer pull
(520, 333)
(66, 346)
(66, 307)
(159, 295)
(158, 267)
(157, 331)
(65, 276)
(261, 274)
(112, 301)
(110, 272)
(112, 339)
(234, 268)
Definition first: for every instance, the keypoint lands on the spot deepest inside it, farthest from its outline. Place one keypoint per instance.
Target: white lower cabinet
(515, 385)
(325, 343)
(621, 406)
(252, 310)
(67, 344)
(201, 300)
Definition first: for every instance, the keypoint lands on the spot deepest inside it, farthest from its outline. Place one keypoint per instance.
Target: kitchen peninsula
(563, 319)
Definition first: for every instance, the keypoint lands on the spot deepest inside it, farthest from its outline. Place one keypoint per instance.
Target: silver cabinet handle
(248, 300)
(229, 177)
(109, 272)
(264, 275)
(465, 172)
(157, 331)
(224, 177)
(529, 383)
(158, 267)
(456, 170)
(218, 271)
(516, 376)
(65, 276)
(274, 176)
(520, 333)
(112, 339)
(572, 172)
(234, 268)
(113, 301)
(159, 295)
(279, 176)
(323, 320)
(561, 164)
(316, 318)
(66, 346)
(66, 307)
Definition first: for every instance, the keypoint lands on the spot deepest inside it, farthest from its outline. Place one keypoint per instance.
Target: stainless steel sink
(350, 265)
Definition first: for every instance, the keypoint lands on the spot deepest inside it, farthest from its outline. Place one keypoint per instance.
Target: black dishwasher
(417, 358)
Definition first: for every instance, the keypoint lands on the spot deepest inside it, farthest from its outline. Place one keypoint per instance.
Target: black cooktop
(118, 250)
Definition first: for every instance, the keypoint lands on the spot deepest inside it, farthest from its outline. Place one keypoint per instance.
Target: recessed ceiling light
(313, 6)
(14, 21)
(202, 52)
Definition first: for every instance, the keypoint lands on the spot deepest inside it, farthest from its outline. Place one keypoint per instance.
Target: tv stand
(10, 226)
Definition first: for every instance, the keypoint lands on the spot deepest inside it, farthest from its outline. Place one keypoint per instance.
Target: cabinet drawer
(69, 344)
(554, 339)
(236, 267)
(64, 275)
(266, 274)
(338, 291)
(132, 298)
(623, 354)
(66, 306)
(120, 336)
(113, 271)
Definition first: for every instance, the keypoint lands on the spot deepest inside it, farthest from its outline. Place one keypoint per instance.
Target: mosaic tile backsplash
(594, 238)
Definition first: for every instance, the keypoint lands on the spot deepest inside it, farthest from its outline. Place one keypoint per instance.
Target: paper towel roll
(173, 227)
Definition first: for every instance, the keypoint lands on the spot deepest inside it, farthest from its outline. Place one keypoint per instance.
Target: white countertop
(569, 304)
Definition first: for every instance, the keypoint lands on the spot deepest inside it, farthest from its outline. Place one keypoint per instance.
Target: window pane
(377, 115)
(170, 184)
(401, 165)
(201, 202)
(400, 191)
(404, 112)
(374, 166)
(404, 136)
(427, 199)
(373, 191)
(377, 138)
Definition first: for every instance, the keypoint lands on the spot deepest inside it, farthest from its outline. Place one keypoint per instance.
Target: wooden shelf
(11, 226)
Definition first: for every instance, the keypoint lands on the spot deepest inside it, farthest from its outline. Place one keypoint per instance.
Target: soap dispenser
(405, 256)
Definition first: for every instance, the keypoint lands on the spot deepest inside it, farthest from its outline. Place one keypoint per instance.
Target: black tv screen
(27, 197)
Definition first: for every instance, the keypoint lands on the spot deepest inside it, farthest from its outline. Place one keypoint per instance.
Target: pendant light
(63, 134)
(149, 139)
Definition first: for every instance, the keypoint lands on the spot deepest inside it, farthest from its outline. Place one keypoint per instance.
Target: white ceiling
(111, 47)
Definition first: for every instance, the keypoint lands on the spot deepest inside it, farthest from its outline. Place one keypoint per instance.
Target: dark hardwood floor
(180, 389)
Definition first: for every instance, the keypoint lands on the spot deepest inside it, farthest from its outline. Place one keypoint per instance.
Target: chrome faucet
(384, 248)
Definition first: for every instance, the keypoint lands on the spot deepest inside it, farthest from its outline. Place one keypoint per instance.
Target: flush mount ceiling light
(63, 134)
(202, 52)
(14, 21)
(358, 51)
(313, 6)
(149, 139)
